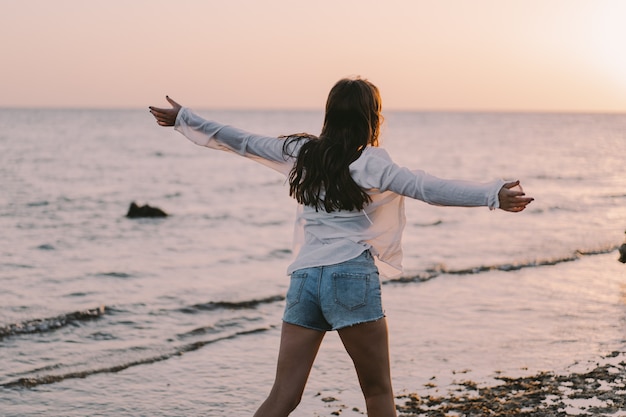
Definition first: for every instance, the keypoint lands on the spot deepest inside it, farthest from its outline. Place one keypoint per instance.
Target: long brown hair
(321, 177)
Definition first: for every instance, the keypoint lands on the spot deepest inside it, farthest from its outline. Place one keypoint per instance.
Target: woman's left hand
(512, 199)
(166, 117)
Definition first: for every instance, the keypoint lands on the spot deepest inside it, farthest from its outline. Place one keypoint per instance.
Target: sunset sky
(527, 55)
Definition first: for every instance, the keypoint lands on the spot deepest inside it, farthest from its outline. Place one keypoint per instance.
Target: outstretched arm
(376, 170)
(166, 117)
(512, 197)
(263, 149)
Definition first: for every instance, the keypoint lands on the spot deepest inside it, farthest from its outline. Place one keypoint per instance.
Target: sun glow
(607, 37)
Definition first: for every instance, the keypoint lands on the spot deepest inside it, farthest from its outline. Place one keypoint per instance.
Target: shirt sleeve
(263, 149)
(376, 170)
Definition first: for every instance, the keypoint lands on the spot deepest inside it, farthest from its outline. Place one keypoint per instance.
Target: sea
(104, 315)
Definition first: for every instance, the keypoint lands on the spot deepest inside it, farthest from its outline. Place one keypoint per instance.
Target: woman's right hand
(166, 117)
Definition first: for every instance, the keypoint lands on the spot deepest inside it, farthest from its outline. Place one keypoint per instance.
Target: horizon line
(321, 110)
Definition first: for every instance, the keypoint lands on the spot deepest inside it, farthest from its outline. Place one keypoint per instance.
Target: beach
(494, 313)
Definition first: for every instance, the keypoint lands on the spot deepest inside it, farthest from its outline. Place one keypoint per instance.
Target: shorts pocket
(351, 289)
(295, 288)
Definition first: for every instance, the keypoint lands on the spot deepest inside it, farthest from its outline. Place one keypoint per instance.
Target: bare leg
(298, 348)
(368, 346)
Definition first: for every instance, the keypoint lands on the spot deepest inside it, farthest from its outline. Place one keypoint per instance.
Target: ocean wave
(220, 326)
(114, 274)
(273, 254)
(34, 381)
(421, 276)
(430, 224)
(514, 266)
(230, 305)
(38, 203)
(14, 265)
(52, 323)
(46, 246)
(559, 177)
(280, 253)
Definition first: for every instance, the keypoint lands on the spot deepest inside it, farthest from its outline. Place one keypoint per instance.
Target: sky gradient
(480, 55)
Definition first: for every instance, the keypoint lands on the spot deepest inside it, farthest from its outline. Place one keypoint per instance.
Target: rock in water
(135, 211)
(622, 253)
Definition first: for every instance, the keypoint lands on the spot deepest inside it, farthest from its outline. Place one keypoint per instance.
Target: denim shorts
(332, 297)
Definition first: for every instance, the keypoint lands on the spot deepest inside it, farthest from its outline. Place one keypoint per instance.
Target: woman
(348, 228)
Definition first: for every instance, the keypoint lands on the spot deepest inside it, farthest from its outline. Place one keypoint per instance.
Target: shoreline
(597, 391)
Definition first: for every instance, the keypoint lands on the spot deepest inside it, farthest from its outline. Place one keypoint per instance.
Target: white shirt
(322, 238)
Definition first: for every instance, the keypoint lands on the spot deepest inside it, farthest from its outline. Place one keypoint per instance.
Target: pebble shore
(600, 391)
